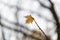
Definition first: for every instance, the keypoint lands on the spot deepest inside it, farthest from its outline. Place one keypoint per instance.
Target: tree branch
(2, 29)
(52, 9)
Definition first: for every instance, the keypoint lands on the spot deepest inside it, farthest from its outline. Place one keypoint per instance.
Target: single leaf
(29, 19)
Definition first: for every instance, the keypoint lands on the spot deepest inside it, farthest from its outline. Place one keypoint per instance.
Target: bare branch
(52, 9)
(42, 4)
(2, 29)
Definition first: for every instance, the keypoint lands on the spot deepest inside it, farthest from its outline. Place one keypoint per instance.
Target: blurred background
(45, 12)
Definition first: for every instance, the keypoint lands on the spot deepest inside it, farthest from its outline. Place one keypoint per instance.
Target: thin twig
(40, 29)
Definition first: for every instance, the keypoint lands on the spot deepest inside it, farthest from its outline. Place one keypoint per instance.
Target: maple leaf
(29, 19)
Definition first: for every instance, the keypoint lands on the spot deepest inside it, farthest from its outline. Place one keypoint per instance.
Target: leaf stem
(40, 29)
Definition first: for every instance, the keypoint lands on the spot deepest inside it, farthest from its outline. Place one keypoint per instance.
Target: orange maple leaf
(29, 19)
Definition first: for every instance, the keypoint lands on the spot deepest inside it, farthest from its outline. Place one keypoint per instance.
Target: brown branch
(52, 9)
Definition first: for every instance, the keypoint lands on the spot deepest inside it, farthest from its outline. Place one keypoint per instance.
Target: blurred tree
(9, 10)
